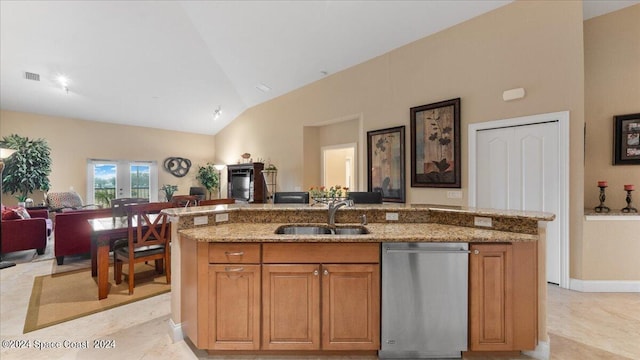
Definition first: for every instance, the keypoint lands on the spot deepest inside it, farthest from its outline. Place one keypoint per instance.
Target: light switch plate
(222, 217)
(392, 216)
(200, 220)
(482, 221)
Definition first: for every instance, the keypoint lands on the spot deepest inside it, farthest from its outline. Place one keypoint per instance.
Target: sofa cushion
(9, 214)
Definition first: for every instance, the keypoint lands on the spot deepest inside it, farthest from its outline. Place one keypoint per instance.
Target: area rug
(57, 298)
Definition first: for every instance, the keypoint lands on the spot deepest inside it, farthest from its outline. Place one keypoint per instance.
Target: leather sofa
(26, 234)
(72, 232)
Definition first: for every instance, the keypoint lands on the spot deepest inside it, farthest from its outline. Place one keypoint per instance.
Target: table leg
(103, 268)
(94, 256)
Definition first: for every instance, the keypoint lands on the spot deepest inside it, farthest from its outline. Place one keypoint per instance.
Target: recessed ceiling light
(262, 87)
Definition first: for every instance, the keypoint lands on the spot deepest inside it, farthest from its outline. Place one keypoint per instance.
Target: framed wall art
(626, 139)
(385, 157)
(435, 145)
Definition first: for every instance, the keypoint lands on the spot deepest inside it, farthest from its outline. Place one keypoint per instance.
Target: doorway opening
(339, 165)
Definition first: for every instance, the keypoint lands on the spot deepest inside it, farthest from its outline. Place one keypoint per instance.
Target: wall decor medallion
(385, 157)
(177, 166)
(626, 139)
(435, 145)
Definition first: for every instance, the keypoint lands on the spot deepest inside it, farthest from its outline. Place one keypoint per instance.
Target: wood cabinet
(321, 297)
(503, 297)
(281, 296)
(234, 297)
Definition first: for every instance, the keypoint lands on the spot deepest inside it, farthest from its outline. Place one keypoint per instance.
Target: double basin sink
(318, 229)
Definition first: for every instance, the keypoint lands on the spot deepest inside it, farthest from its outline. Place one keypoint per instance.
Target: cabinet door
(234, 313)
(490, 297)
(291, 307)
(350, 307)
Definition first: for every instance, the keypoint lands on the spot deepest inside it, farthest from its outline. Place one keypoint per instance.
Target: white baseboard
(604, 285)
(175, 331)
(541, 352)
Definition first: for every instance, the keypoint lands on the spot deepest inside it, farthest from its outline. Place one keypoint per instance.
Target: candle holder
(629, 208)
(601, 208)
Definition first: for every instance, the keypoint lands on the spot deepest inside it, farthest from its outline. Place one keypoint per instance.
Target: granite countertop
(379, 232)
(197, 210)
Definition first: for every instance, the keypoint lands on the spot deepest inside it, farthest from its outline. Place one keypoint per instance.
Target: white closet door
(518, 169)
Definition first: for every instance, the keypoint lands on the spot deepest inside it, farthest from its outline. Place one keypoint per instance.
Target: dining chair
(291, 197)
(184, 200)
(217, 201)
(365, 197)
(198, 191)
(149, 237)
(118, 205)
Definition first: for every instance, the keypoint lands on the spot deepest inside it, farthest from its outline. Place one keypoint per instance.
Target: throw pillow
(22, 213)
(9, 214)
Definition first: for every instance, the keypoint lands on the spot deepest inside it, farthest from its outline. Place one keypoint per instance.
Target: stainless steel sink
(351, 230)
(303, 230)
(297, 229)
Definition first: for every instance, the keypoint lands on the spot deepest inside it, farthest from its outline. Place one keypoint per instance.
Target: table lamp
(4, 153)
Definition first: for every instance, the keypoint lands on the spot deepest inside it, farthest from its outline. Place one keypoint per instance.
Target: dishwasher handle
(427, 251)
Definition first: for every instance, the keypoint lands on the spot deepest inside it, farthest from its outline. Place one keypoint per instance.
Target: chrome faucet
(333, 207)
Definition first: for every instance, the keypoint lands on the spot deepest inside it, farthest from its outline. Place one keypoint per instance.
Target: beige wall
(537, 45)
(72, 142)
(612, 87)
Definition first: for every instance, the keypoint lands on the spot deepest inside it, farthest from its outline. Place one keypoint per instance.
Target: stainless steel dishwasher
(424, 300)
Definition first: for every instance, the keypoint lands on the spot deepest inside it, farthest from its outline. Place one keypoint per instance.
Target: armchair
(25, 234)
(67, 200)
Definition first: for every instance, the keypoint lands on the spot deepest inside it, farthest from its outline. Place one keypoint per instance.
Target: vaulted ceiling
(172, 64)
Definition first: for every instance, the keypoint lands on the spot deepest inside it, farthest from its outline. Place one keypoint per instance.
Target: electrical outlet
(200, 220)
(482, 221)
(456, 194)
(222, 217)
(392, 216)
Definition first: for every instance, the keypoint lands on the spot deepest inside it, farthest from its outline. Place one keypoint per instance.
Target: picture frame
(626, 139)
(386, 160)
(435, 145)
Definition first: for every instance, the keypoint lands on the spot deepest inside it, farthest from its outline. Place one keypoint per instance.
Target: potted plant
(169, 190)
(209, 178)
(28, 169)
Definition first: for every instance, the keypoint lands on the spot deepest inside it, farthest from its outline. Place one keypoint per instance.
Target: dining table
(104, 232)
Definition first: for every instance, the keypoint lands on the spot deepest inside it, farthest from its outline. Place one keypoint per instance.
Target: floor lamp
(4, 153)
(219, 168)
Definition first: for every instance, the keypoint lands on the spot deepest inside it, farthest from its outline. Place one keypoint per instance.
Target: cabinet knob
(315, 272)
(476, 252)
(325, 272)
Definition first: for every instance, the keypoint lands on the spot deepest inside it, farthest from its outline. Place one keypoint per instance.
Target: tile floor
(581, 326)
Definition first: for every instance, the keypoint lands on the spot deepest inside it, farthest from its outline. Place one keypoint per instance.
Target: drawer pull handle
(234, 253)
(229, 269)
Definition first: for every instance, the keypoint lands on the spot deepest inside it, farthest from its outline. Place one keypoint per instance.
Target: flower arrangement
(332, 193)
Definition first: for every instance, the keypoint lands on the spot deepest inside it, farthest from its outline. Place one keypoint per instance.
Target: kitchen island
(219, 313)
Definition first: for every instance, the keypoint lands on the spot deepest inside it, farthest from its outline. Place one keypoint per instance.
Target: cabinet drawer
(234, 253)
(314, 253)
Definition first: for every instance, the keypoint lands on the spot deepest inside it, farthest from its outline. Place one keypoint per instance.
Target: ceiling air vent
(31, 76)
